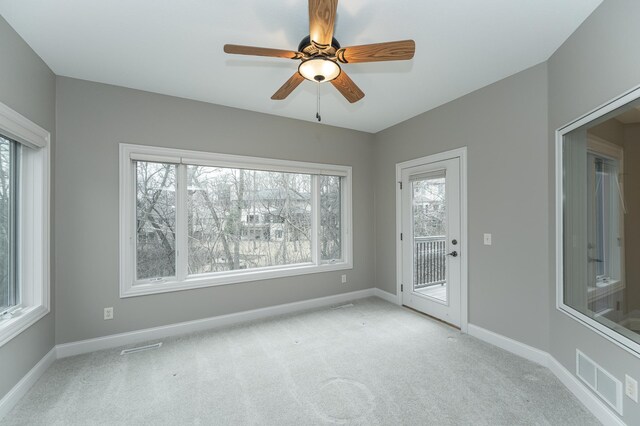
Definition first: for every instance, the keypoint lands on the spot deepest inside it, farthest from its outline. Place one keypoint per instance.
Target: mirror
(601, 221)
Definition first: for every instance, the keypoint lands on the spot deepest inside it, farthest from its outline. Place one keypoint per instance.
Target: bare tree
(236, 219)
(5, 221)
(155, 215)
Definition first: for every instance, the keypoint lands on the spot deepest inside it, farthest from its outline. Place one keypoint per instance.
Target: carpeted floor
(373, 363)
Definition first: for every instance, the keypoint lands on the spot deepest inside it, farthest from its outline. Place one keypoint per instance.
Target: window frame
(33, 206)
(611, 335)
(129, 153)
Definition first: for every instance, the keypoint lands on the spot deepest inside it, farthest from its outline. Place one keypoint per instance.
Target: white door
(431, 239)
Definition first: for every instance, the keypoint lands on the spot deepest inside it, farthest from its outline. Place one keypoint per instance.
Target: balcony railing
(429, 261)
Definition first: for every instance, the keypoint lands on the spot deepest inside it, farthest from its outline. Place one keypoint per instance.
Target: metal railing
(429, 261)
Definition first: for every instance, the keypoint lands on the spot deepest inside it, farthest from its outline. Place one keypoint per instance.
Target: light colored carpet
(373, 363)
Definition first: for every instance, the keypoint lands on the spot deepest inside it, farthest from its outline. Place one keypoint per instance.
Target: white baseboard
(21, 388)
(385, 295)
(122, 339)
(598, 408)
(510, 345)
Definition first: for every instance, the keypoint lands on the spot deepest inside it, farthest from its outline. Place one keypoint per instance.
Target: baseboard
(385, 295)
(20, 389)
(598, 408)
(122, 339)
(510, 345)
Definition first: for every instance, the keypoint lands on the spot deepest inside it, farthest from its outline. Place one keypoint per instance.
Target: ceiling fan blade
(288, 87)
(390, 51)
(261, 51)
(322, 16)
(347, 87)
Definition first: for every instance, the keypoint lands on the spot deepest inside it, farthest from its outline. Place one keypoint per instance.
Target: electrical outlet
(108, 313)
(487, 239)
(344, 278)
(631, 387)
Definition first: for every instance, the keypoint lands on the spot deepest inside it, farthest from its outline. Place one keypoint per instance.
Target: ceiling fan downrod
(318, 103)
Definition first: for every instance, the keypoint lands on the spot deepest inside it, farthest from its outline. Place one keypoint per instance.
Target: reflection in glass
(601, 187)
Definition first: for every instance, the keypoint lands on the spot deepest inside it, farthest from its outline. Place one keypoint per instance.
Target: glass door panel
(428, 199)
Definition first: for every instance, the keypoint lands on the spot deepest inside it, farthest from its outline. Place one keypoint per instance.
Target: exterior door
(431, 225)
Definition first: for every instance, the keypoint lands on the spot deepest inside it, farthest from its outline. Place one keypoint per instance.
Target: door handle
(453, 254)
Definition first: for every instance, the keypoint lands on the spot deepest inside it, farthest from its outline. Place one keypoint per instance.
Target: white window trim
(34, 210)
(617, 338)
(130, 288)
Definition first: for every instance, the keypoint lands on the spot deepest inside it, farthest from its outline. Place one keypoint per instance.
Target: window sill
(595, 293)
(20, 321)
(202, 281)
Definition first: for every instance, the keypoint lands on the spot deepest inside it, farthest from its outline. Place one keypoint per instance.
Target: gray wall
(93, 118)
(504, 127)
(27, 86)
(597, 63)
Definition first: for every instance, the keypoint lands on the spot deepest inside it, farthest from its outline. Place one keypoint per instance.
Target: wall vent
(141, 349)
(600, 381)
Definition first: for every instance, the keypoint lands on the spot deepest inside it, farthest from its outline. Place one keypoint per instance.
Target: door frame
(464, 252)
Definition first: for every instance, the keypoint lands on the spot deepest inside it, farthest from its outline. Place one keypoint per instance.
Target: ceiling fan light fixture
(319, 70)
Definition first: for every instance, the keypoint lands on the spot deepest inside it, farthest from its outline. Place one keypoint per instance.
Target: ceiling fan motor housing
(307, 47)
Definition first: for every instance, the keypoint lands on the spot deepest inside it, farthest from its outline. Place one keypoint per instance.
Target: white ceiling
(175, 48)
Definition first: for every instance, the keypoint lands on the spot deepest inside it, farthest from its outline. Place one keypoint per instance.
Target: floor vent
(348, 305)
(600, 381)
(141, 349)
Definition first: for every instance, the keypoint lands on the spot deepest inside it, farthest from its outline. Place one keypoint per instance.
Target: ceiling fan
(321, 54)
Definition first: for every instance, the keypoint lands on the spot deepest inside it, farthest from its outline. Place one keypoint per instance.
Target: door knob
(453, 254)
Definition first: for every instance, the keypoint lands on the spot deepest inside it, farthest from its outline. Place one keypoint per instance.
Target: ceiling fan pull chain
(318, 103)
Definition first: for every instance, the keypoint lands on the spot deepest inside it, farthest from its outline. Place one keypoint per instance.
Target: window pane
(330, 217)
(600, 223)
(429, 215)
(244, 219)
(155, 220)
(8, 185)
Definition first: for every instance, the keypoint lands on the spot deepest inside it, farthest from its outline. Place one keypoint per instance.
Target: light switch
(487, 239)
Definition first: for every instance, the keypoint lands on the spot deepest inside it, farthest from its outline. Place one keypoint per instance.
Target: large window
(24, 223)
(598, 221)
(192, 219)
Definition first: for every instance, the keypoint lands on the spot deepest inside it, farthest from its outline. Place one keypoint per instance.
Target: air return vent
(348, 305)
(600, 381)
(141, 349)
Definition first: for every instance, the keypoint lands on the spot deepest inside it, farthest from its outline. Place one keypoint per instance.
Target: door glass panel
(429, 214)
